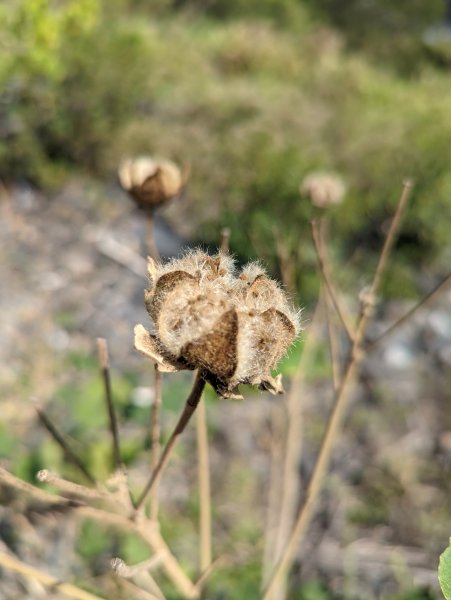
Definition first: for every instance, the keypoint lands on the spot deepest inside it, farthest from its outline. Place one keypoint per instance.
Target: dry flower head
(235, 327)
(150, 182)
(323, 189)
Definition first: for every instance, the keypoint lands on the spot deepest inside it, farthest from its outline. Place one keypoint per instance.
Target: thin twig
(123, 255)
(276, 434)
(152, 248)
(325, 273)
(421, 304)
(334, 348)
(68, 487)
(144, 529)
(68, 589)
(341, 402)
(286, 265)
(147, 583)
(124, 570)
(59, 439)
(155, 434)
(225, 240)
(23, 486)
(290, 484)
(190, 407)
(102, 349)
(136, 591)
(203, 469)
(200, 583)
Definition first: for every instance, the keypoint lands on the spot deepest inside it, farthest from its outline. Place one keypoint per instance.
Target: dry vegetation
(291, 128)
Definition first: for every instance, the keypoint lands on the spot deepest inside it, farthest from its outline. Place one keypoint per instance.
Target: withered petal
(146, 344)
(272, 384)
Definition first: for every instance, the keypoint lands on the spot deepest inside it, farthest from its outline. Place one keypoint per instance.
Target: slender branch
(102, 349)
(152, 248)
(273, 513)
(390, 240)
(325, 273)
(23, 486)
(190, 407)
(203, 469)
(68, 589)
(59, 439)
(286, 265)
(333, 345)
(225, 240)
(200, 583)
(124, 570)
(155, 440)
(290, 485)
(339, 410)
(145, 529)
(136, 592)
(421, 304)
(68, 487)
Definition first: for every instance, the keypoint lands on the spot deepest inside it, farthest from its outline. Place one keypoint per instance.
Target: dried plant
(233, 327)
(150, 182)
(323, 189)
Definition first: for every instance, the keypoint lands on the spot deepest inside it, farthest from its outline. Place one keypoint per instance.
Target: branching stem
(190, 407)
(339, 410)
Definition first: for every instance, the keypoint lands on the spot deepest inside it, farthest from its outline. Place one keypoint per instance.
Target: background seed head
(150, 182)
(323, 189)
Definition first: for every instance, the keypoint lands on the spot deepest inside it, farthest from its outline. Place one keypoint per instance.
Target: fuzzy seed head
(235, 327)
(150, 182)
(323, 189)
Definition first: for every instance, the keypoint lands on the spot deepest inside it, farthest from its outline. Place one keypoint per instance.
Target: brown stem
(69, 590)
(203, 468)
(339, 410)
(325, 273)
(155, 440)
(292, 458)
(102, 349)
(190, 407)
(225, 240)
(421, 304)
(145, 529)
(59, 439)
(152, 248)
(333, 344)
(285, 263)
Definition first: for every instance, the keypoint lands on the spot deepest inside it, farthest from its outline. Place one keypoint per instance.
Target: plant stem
(225, 240)
(155, 440)
(203, 468)
(421, 304)
(339, 410)
(59, 439)
(290, 485)
(152, 248)
(102, 349)
(317, 236)
(190, 407)
(71, 591)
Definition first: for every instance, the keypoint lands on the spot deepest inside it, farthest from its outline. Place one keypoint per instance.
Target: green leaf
(444, 572)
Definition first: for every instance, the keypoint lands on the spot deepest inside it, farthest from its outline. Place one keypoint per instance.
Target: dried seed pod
(150, 182)
(323, 189)
(234, 328)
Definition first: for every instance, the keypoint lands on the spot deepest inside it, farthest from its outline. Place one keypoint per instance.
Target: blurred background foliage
(253, 95)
